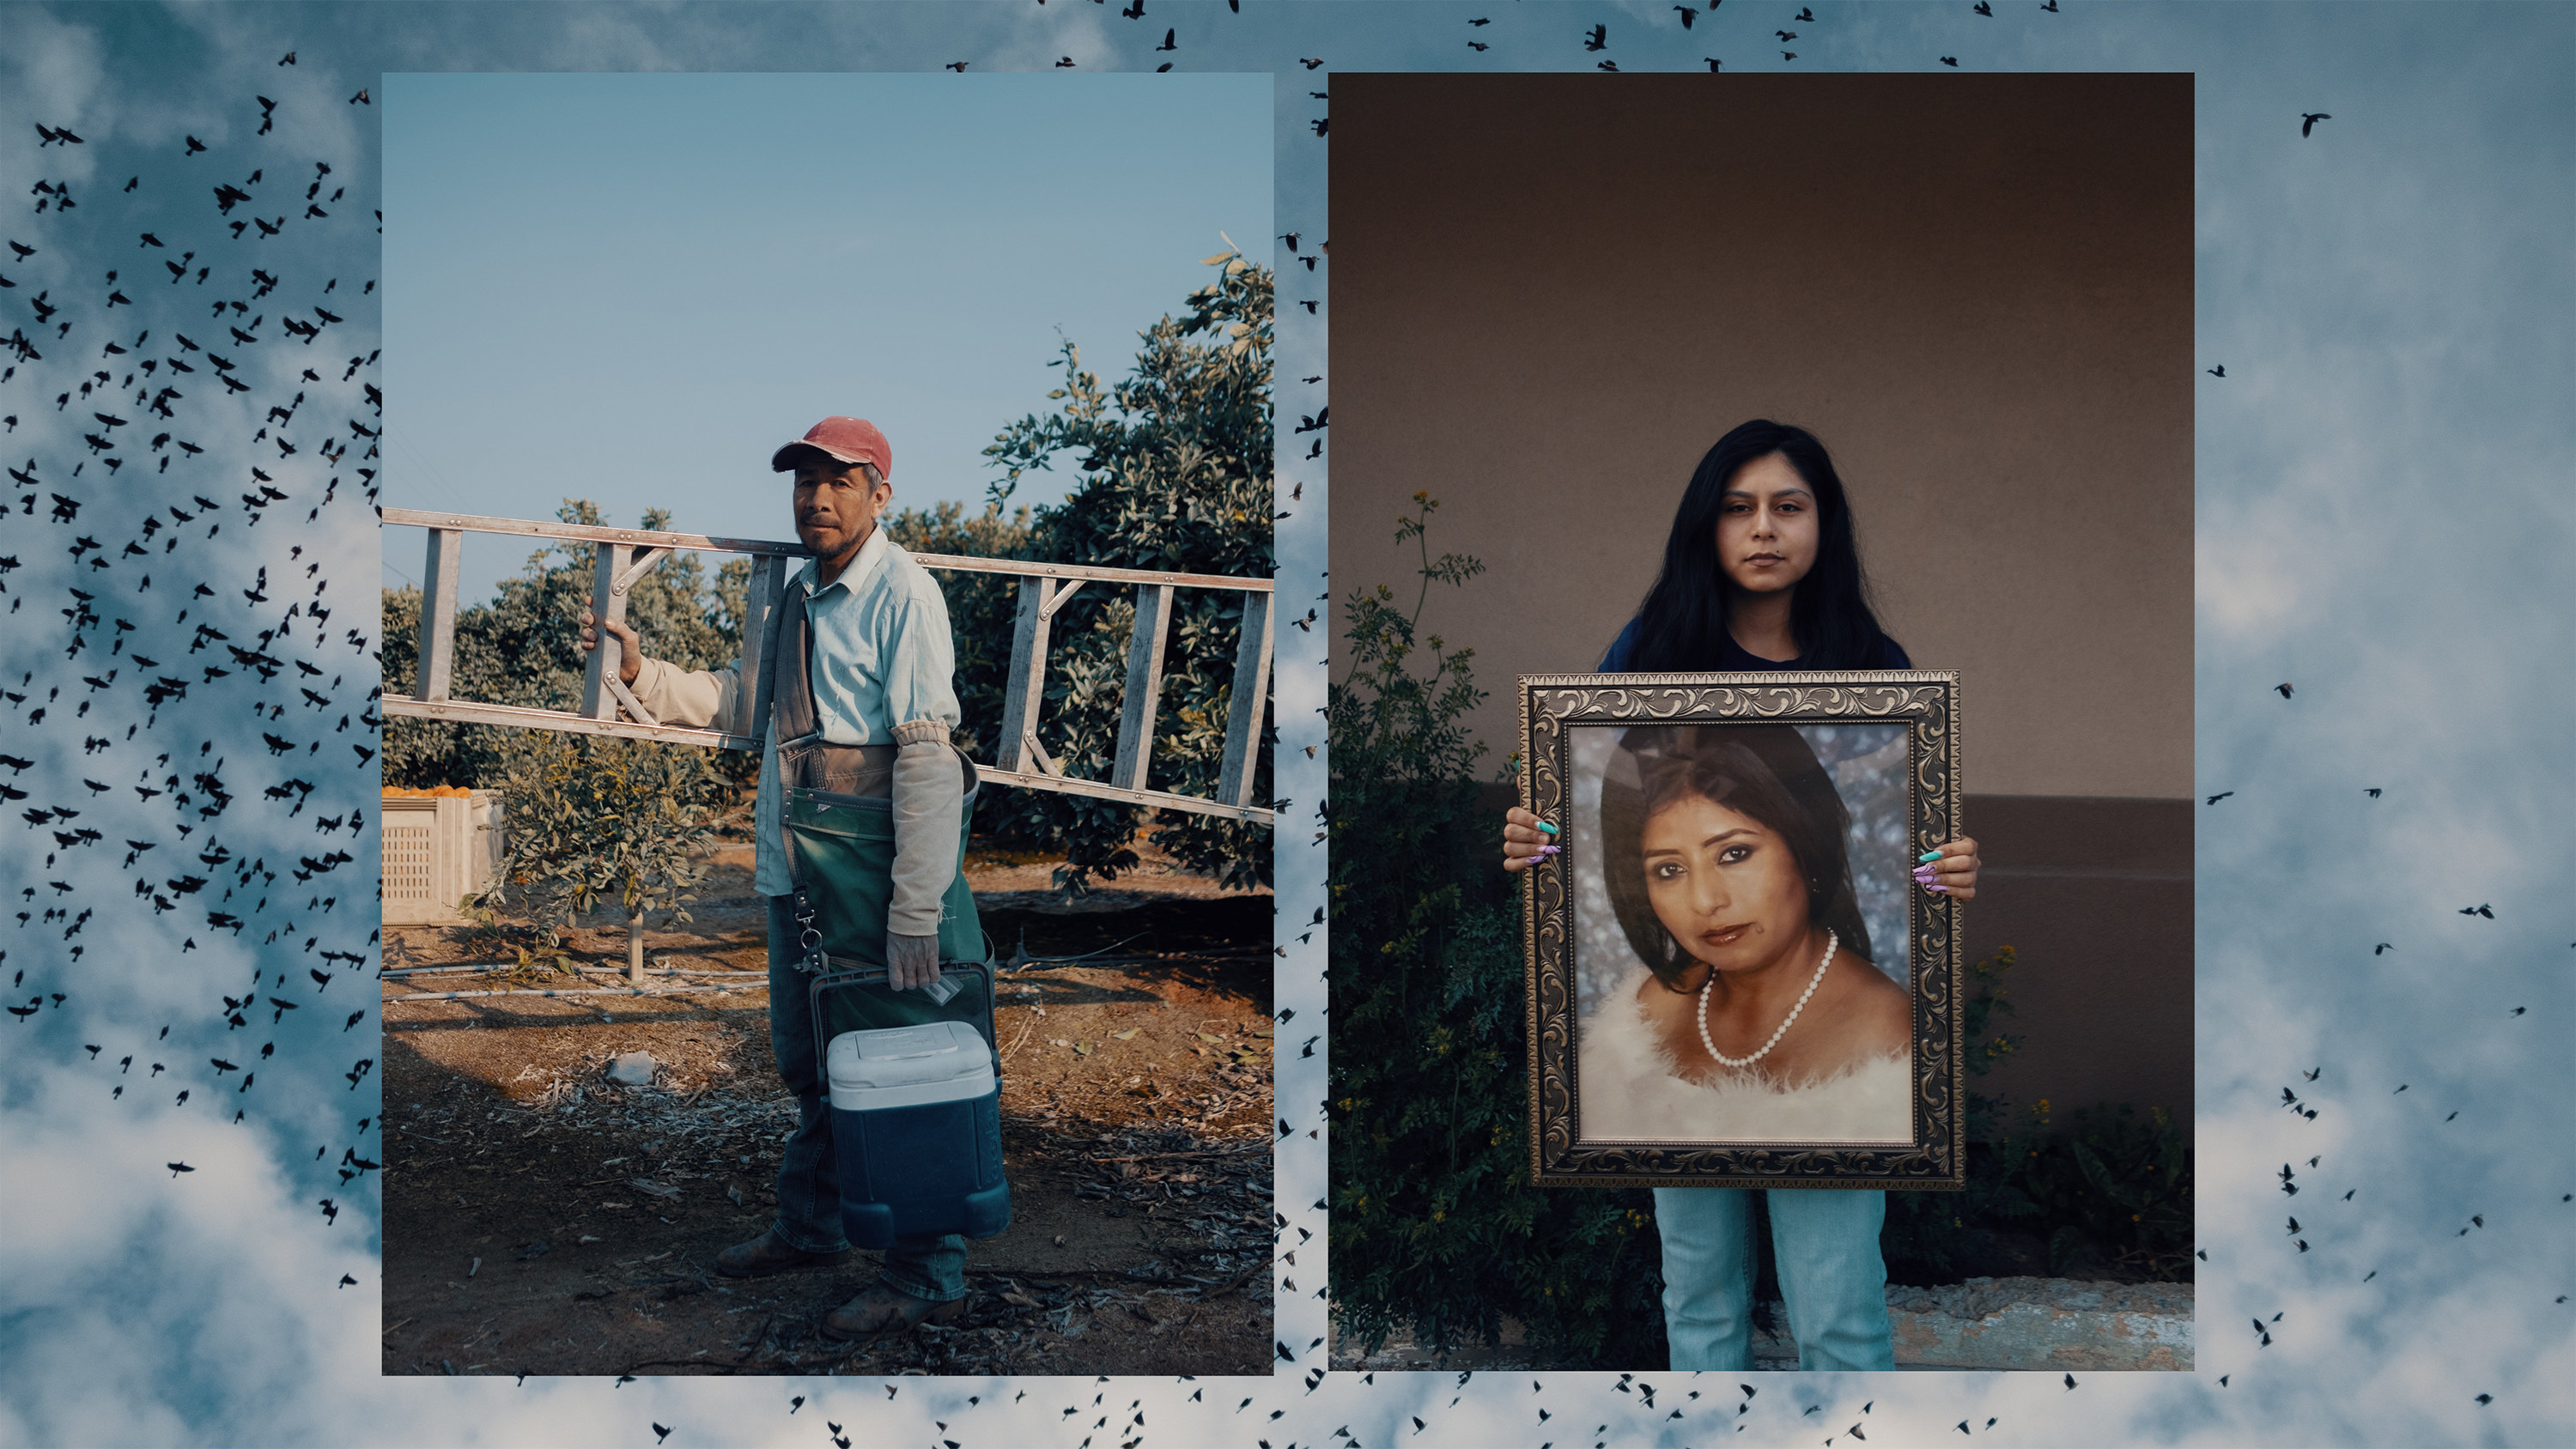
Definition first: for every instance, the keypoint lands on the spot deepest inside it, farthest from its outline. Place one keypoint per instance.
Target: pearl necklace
(1831, 941)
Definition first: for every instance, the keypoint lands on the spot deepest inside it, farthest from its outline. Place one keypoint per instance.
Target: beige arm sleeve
(681, 697)
(929, 790)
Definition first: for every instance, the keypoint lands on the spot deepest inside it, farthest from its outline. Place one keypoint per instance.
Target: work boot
(888, 1310)
(770, 1253)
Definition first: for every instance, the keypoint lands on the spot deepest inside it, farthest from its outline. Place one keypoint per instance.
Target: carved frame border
(1927, 701)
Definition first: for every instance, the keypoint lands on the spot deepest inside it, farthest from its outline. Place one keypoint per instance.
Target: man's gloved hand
(911, 960)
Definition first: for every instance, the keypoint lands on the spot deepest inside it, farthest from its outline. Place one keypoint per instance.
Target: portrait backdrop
(1868, 767)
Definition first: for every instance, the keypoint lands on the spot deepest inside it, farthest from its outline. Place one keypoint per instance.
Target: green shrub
(597, 821)
(2112, 1192)
(1435, 1223)
(2113, 1188)
(1177, 477)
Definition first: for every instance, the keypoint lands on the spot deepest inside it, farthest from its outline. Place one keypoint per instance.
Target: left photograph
(827, 638)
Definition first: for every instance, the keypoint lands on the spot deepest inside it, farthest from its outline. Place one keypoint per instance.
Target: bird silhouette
(2219, 371)
(1951, 61)
(2308, 121)
(2221, 795)
(1598, 39)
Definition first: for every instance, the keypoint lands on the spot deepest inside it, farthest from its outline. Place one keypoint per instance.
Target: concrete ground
(1984, 1323)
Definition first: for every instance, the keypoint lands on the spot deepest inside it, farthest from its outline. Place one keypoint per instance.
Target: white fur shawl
(1628, 1092)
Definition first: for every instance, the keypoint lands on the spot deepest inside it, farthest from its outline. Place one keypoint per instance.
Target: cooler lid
(907, 1056)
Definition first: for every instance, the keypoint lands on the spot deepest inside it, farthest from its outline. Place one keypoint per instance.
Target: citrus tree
(592, 820)
(1176, 477)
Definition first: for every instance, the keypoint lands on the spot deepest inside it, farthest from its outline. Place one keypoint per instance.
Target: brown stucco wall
(1551, 294)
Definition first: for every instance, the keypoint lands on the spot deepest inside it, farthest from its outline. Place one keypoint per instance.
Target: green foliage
(1434, 1221)
(523, 647)
(2111, 1191)
(594, 820)
(1176, 464)
(2113, 1187)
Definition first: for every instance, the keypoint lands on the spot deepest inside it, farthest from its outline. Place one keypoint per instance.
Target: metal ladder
(625, 555)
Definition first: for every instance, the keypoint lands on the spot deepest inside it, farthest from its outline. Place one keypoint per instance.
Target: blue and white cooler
(917, 1133)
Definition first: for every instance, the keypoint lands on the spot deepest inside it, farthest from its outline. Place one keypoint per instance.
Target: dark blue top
(1732, 656)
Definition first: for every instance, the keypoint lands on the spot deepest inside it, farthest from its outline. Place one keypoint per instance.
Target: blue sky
(2383, 518)
(632, 288)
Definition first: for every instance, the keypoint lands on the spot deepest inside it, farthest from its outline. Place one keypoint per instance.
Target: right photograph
(1853, 1026)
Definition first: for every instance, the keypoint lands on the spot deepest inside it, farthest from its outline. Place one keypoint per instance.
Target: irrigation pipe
(572, 991)
(487, 967)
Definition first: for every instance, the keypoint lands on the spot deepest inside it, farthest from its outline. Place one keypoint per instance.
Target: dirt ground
(540, 1219)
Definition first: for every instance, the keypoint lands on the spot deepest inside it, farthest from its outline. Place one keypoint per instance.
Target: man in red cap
(879, 666)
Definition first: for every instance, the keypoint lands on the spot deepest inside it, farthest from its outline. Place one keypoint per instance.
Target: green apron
(840, 862)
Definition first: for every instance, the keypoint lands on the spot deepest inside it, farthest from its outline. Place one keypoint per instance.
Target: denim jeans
(809, 1191)
(1825, 1244)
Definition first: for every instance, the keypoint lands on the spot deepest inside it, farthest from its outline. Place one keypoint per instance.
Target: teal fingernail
(1928, 855)
(1550, 829)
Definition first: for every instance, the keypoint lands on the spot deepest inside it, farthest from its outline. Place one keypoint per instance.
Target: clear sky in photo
(631, 288)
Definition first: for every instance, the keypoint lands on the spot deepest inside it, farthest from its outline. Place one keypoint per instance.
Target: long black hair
(1765, 771)
(1683, 620)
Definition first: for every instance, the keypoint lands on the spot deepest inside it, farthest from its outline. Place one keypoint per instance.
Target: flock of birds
(152, 619)
(275, 655)
(2297, 1105)
(1595, 39)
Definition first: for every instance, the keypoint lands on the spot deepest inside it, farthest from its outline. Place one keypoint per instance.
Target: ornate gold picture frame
(1706, 822)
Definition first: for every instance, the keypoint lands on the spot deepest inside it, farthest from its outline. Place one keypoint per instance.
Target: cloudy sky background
(2384, 521)
(632, 288)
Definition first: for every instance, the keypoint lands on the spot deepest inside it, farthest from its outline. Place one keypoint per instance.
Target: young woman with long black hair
(1761, 572)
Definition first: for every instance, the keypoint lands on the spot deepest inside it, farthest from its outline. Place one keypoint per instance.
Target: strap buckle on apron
(808, 939)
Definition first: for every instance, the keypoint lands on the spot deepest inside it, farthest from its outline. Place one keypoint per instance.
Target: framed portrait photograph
(1733, 981)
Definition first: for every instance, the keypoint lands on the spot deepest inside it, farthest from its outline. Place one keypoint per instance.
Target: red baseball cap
(851, 440)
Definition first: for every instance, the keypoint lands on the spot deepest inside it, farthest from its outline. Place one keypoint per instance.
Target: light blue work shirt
(882, 656)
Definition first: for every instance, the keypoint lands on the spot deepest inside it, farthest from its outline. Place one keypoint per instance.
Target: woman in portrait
(1752, 1011)
(1761, 571)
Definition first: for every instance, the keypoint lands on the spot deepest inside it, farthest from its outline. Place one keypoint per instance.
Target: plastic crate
(436, 852)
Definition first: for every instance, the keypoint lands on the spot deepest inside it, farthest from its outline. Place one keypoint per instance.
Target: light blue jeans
(1825, 1244)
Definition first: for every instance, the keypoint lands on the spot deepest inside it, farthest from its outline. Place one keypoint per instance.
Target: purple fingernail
(1544, 851)
(1945, 890)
